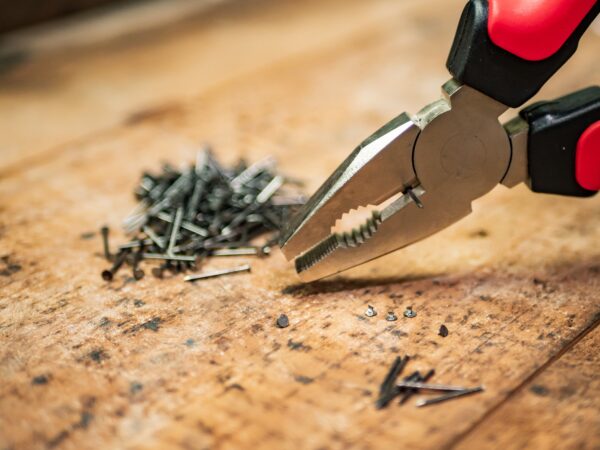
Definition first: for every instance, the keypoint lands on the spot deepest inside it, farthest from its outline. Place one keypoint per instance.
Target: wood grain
(164, 364)
(552, 409)
(71, 85)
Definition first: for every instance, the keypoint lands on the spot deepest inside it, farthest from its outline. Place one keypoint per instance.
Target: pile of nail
(203, 210)
(416, 383)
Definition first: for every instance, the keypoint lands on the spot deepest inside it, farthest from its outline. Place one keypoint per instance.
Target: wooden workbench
(164, 364)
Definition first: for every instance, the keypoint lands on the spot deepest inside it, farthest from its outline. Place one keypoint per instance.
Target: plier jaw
(434, 160)
(380, 167)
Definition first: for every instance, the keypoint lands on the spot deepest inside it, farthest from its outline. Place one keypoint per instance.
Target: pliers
(420, 173)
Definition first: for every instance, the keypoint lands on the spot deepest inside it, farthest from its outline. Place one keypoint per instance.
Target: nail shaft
(105, 231)
(186, 225)
(246, 251)
(169, 257)
(430, 387)
(135, 244)
(443, 398)
(175, 230)
(217, 273)
(109, 274)
(154, 237)
(269, 189)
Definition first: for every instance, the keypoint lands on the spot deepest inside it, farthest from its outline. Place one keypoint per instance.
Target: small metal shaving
(370, 312)
(283, 321)
(409, 312)
(391, 316)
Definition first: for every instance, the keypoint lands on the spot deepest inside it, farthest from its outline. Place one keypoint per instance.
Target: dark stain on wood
(303, 379)
(98, 355)
(299, 346)
(87, 235)
(135, 387)
(159, 112)
(235, 386)
(10, 267)
(40, 379)
(480, 234)
(540, 390)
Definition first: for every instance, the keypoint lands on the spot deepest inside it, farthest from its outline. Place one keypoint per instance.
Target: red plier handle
(508, 49)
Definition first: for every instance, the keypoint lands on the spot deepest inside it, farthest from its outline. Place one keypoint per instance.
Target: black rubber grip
(476, 61)
(554, 129)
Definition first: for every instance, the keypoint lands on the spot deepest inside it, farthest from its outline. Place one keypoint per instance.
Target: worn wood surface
(163, 364)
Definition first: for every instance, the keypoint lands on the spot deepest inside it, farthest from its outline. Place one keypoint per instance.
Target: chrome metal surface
(518, 172)
(378, 168)
(450, 153)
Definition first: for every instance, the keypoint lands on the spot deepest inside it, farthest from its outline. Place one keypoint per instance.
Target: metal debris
(391, 316)
(203, 210)
(388, 389)
(242, 251)
(282, 321)
(370, 312)
(105, 247)
(430, 387)
(416, 383)
(443, 331)
(409, 312)
(415, 377)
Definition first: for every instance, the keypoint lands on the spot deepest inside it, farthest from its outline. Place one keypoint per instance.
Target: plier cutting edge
(429, 167)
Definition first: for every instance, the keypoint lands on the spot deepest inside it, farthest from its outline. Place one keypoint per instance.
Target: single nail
(443, 398)
(283, 321)
(218, 273)
(135, 244)
(157, 240)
